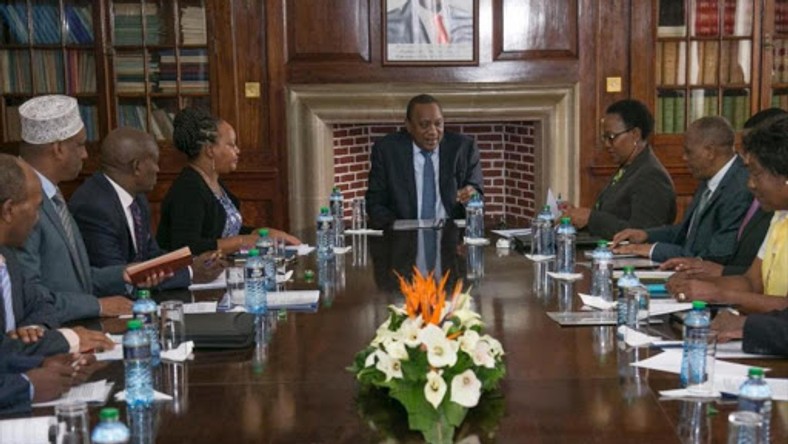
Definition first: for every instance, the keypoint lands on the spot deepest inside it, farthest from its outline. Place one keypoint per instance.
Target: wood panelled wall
(282, 42)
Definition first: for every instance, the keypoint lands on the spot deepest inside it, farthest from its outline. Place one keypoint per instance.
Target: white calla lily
(468, 341)
(409, 331)
(440, 351)
(391, 367)
(370, 361)
(396, 349)
(466, 389)
(495, 345)
(482, 355)
(435, 388)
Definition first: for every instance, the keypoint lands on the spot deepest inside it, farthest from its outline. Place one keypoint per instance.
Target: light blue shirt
(418, 168)
(49, 188)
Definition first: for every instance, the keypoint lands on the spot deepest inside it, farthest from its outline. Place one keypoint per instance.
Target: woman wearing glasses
(640, 194)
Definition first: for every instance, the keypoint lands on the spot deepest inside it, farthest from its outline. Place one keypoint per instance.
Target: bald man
(113, 214)
(711, 223)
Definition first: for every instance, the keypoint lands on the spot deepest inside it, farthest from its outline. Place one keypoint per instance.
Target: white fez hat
(48, 119)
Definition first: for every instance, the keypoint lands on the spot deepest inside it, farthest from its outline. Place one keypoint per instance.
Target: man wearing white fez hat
(54, 256)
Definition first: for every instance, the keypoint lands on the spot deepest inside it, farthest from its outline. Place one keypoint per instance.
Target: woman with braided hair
(198, 211)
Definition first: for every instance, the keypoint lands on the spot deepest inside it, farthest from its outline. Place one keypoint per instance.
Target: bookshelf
(160, 62)
(128, 62)
(705, 62)
(776, 30)
(47, 46)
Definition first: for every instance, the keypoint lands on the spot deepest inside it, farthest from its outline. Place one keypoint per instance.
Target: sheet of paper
(733, 350)
(565, 276)
(293, 298)
(157, 396)
(513, 232)
(578, 318)
(540, 257)
(670, 361)
(731, 385)
(666, 306)
(215, 284)
(647, 274)
(90, 392)
(26, 430)
(301, 250)
(365, 231)
(634, 338)
(596, 302)
(637, 262)
(199, 307)
(589, 254)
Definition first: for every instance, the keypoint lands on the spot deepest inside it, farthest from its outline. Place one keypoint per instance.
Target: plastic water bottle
(325, 234)
(474, 217)
(698, 319)
(565, 235)
(546, 237)
(254, 284)
(110, 430)
(137, 363)
(265, 247)
(602, 272)
(626, 281)
(146, 310)
(337, 213)
(756, 396)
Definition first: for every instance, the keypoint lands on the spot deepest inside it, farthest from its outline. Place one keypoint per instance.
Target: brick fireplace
(527, 135)
(507, 157)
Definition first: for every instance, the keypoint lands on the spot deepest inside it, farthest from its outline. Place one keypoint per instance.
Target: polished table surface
(562, 384)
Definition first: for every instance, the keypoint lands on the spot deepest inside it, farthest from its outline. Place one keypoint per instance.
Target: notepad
(90, 392)
(26, 430)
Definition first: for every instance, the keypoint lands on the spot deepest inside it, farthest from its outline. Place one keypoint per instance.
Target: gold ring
(682, 296)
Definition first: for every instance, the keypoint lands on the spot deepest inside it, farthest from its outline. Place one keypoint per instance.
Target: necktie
(8, 304)
(428, 187)
(704, 199)
(750, 212)
(775, 261)
(141, 232)
(441, 36)
(65, 219)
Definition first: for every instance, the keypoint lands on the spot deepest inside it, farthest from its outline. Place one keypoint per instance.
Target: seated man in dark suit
(422, 173)
(27, 316)
(113, 213)
(751, 232)
(27, 379)
(712, 220)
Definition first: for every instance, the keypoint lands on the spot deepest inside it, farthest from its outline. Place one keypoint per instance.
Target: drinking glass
(234, 276)
(72, 423)
(173, 326)
(702, 346)
(744, 427)
(359, 216)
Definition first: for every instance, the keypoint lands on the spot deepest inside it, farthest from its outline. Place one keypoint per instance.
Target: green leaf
(454, 412)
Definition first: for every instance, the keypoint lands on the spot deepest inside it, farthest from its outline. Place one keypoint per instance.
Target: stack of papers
(90, 392)
(513, 232)
(26, 430)
(670, 361)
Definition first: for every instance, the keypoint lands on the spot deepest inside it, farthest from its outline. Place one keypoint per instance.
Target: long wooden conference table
(563, 385)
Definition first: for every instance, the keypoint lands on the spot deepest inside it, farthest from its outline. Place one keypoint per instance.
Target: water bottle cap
(134, 324)
(263, 232)
(755, 371)
(109, 414)
(335, 189)
(698, 305)
(323, 210)
(546, 208)
(601, 243)
(254, 252)
(566, 221)
(143, 293)
(629, 269)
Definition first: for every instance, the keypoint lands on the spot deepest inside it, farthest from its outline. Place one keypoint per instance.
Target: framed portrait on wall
(431, 32)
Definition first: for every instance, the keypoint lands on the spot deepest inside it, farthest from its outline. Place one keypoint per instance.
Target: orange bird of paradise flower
(425, 297)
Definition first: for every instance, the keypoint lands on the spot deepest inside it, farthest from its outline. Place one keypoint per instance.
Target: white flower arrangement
(432, 357)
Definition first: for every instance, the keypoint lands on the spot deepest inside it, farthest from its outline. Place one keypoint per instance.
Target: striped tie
(8, 303)
(65, 219)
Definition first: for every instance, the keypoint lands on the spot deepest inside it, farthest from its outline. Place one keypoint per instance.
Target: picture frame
(430, 32)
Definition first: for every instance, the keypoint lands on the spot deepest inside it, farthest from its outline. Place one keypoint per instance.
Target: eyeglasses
(611, 137)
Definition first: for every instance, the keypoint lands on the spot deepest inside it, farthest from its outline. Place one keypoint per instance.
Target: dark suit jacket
(642, 198)
(66, 275)
(404, 25)
(747, 247)
(714, 238)
(766, 333)
(392, 183)
(14, 388)
(102, 222)
(31, 307)
(191, 215)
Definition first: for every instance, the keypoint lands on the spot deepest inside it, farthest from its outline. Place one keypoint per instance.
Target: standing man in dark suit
(422, 173)
(113, 213)
(54, 255)
(712, 221)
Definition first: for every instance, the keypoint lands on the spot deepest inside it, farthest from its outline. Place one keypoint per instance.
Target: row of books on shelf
(736, 18)
(781, 17)
(780, 61)
(13, 131)
(710, 62)
(128, 21)
(46, 23)
(164, 72)
(48, 73)
(136, 116)
(672, 110)
(193, 25)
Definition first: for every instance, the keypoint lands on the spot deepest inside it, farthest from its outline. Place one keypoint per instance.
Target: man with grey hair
(54, 255)
(712, 220)
(113, 213)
